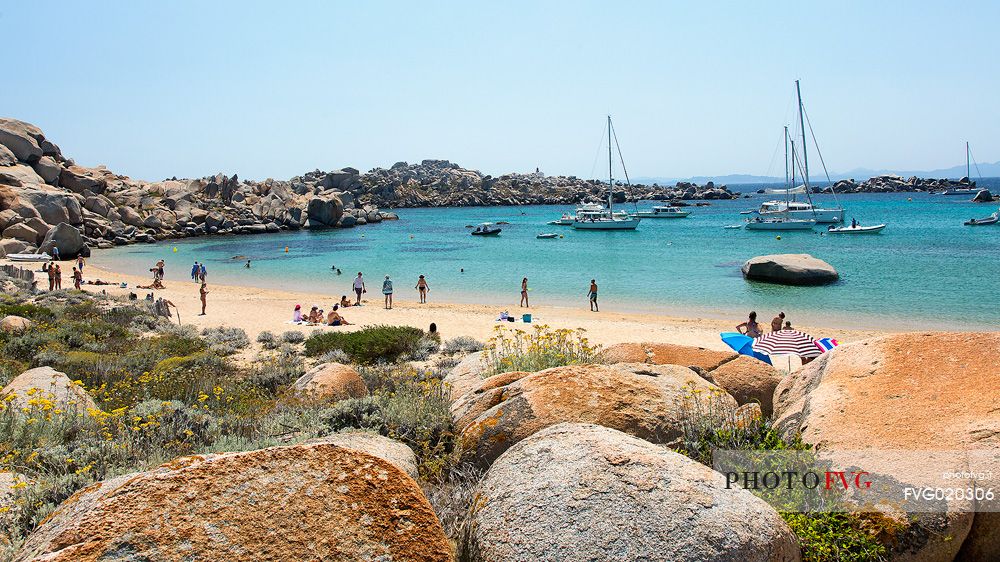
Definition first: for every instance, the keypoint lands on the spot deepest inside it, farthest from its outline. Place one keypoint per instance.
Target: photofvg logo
(866, 480)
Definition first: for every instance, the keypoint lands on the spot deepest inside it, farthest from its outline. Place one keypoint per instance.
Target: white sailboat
(804, 210)
(600, 218)
(964, 190)
(782, 220)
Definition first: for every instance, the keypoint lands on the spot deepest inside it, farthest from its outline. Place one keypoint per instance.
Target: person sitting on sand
(335, 319)
(750, 327)
(788, 326)
(297, 315)
(313, 314)
(344, 301)
(777, 321)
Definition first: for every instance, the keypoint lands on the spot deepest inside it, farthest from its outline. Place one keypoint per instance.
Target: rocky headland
(895, 184)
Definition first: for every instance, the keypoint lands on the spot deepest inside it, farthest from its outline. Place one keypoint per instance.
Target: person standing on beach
(751, 328)
(77, 278)
(777, 322)
(359, 287)
(387, 291)
(203, 291)
(58, 276)
(159, 270)
(422, 289)
(79, 263)
(52, 276)
(55, 253)
(593, 296)
(202, 273)
(195, 269)
(524, 292)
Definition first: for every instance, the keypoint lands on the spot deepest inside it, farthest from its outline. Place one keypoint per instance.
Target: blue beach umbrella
(743, 345)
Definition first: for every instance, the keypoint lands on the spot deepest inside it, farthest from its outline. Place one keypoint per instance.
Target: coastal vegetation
(541, 348)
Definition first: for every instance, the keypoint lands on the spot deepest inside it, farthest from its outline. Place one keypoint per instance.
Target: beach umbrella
(826, 344)
(787, 342)
(743, 345)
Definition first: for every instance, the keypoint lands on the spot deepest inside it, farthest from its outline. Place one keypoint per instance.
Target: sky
(269, 89)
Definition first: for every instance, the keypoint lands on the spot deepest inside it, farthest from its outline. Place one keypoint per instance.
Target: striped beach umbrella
(787, 342)
(826, 344)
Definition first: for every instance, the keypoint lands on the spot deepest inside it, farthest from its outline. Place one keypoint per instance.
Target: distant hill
(986, 170)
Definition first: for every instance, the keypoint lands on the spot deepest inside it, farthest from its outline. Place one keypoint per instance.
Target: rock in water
(790, 269)
(983, 196)
(307, 502)
(909, 392)
(647, 401)
(330, 382)
(582, 492)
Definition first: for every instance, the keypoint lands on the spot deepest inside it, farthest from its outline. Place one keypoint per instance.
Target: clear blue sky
(270, 89)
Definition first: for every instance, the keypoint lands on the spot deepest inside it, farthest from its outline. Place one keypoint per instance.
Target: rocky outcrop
(790, 269)
(869, 403)
(467, 375)
(748, 381)
(306, 502)
(45, 383)
(698, 358)
(440, 183)
(983, 196)
(581, 492)
(643, 400)
(330, 382)
(895, 184)
(66, 238)
(37, 182)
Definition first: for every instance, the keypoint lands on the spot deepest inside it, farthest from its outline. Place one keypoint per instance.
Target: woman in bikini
(751, 327)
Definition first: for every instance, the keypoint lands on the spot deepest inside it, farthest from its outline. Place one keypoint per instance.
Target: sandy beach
(255, 310)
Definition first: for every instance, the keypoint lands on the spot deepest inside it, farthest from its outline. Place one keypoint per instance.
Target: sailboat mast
(792, 142)
(802, 125)
(610, 182)
(967, 170)
(787, 187)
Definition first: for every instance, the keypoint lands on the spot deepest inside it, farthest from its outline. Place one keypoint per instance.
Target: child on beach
(387, 291)
(593, 296)
(422, 289)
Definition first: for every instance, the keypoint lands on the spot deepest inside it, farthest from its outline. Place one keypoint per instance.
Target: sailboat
(781, 220)
(801, 209)
(600, 218)
(964, 190)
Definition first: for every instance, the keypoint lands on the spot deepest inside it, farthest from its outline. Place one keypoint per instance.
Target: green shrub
(543, 348)
(226, 341)
(369, 345)
(462, 344)
(273, 373)
(841, 537)
(27, 310)
(267, 339)
(293, 337)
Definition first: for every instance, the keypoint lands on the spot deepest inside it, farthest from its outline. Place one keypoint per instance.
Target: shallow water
(926, 270)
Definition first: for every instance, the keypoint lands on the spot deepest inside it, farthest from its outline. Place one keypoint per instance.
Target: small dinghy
(992, 219)
(748, 212)
(547, 235)
(29, 257)
(486, 229)
(856, 229)
(733, 226)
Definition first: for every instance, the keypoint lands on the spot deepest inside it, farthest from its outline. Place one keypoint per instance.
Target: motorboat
(856, 229)
(547, 235)
(486, 229)
(597, 217)
(960, 191)
(565, 220)
(992, 219)
(779, 223)
(588, 209)
(733, 226)
(662, 212)
(29, 257)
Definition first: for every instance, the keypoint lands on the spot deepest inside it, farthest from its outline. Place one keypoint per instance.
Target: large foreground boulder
(14, 324)
(747, 380)
(467, 375)
(582, 492)
(307, 502)
(21, 138)
(48, 384)
(666, 354)
(330, 382)
(932, 395)
(790, 269)
(374, 444)
(647, 401)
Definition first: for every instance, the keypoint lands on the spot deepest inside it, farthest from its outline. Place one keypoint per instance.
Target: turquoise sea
(926, 270)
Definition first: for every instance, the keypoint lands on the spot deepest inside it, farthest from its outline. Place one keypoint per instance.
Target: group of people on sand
(360, 288)
(753, 329)
(54, 272)
(315, 315)
(591, 294)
